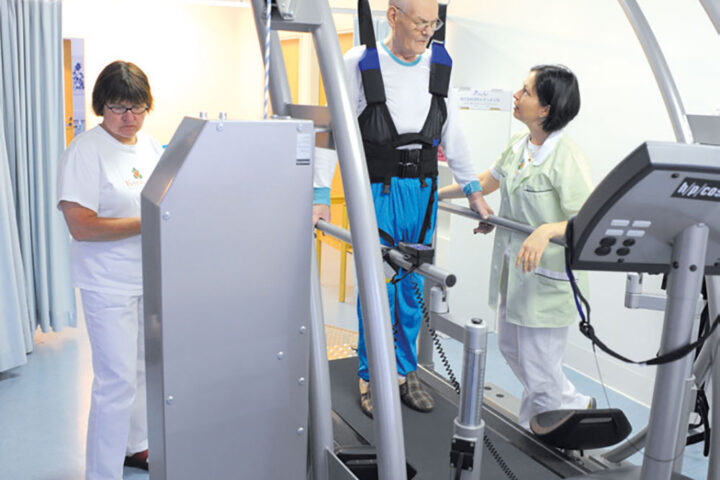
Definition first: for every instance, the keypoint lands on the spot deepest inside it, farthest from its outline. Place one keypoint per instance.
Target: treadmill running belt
(427, 435)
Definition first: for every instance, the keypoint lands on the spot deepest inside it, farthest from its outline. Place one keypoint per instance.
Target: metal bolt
(675, 264)
(301, 380)
(300, 431)
(280, 355)
(693, 268)
(166, 216)
(170, 400)
(303, 329)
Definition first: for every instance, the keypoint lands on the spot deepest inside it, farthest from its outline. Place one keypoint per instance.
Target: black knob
(608, 241)
(602, 251)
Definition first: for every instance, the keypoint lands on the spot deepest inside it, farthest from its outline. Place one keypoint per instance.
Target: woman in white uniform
(100, 177)
(543, 179)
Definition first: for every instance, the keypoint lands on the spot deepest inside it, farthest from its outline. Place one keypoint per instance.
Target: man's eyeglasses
(121, 109)
(422, 25)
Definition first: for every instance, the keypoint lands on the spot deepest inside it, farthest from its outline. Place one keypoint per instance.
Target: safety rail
(427, 270)
(499, 222)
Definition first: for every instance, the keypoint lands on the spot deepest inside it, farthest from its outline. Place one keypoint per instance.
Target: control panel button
(612, 232)
(636, 233)
(641, 223)
(607, 241)
(602, 251)
(622, 251)
(619, 222)
(629, 242)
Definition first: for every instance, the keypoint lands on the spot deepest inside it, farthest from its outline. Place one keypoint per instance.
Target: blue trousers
(401, 213)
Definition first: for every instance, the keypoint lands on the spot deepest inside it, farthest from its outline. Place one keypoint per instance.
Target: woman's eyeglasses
(121, 109)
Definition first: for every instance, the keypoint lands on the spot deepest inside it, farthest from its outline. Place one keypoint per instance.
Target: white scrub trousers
(117, 425)
(535, 356)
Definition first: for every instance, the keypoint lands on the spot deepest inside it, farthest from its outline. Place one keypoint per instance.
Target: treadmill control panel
(630, 221)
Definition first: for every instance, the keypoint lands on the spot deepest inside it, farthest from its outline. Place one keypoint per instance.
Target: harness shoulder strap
(369, 62)
(440, 61)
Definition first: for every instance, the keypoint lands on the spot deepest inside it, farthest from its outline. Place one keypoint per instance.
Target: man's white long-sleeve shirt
(408, 101)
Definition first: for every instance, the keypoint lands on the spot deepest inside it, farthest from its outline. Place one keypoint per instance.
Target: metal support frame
(666, 84)
(685, 280)
(706, 360)
(712, 8)
(314, 16)
(320, 406)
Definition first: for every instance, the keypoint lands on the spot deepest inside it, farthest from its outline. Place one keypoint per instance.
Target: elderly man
(404, 113)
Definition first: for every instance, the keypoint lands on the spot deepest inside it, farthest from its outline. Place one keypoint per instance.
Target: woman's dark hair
(558, 87)
(121, 82)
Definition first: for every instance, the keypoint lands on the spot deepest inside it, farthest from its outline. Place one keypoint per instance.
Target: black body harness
(379, 134)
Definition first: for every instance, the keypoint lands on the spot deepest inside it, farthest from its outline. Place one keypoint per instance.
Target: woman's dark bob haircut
(557, 86)
(121, 82)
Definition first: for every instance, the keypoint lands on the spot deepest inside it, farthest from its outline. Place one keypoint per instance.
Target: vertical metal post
(469, 427)
(685, 280)
(320, 406)
(660, 69)
(368, 260)
(712, 284)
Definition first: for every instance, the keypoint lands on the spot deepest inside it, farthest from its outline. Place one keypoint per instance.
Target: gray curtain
(35, 285)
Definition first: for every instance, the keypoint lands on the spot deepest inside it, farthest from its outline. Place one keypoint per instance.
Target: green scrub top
(551, 187)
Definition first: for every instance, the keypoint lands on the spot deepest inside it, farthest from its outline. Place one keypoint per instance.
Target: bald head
(409, 4)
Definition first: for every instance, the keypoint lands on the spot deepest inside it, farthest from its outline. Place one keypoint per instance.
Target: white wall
(495, 43)
(197, 57)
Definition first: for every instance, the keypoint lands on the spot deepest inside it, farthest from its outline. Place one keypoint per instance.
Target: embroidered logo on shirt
(136, 173)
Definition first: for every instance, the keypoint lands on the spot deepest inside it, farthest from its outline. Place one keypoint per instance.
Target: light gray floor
(44, 404)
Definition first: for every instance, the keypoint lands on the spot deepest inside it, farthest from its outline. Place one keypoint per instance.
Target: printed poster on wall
(478, 99)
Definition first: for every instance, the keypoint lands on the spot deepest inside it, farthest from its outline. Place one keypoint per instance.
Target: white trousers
(535, 356)
(117, 425)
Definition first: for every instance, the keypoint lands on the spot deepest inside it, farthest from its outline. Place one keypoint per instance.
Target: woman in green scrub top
(543, 179)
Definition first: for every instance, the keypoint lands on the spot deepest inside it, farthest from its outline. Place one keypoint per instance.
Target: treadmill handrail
(712, 8)
(427, 270)
(500, 222)
(671, 97)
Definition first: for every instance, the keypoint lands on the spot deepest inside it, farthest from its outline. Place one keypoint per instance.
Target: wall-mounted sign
(476, 99)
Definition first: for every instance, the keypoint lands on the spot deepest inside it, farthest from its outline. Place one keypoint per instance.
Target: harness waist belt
(416, 163)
